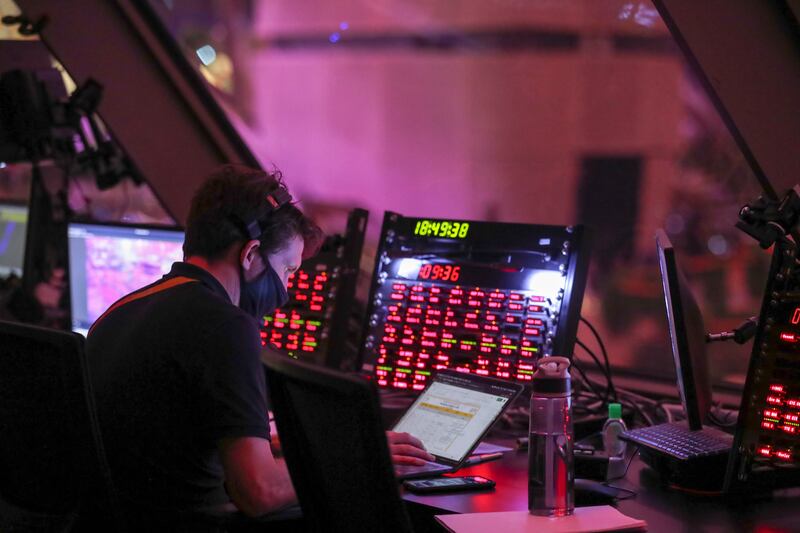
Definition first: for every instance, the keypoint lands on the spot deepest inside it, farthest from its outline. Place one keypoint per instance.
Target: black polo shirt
(175, 368)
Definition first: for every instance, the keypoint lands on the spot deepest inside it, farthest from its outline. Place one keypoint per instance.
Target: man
(175, 366)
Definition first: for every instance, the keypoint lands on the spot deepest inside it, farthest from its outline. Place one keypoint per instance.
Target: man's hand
(407, 449)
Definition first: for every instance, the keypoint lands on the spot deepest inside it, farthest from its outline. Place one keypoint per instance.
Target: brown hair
(234, 193)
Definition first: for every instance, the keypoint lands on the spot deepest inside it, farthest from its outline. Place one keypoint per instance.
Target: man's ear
(249, 253)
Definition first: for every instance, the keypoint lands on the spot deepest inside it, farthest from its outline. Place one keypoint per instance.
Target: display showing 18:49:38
(437, 228)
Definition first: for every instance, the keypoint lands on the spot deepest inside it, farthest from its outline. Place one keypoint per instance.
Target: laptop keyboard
(679, 441)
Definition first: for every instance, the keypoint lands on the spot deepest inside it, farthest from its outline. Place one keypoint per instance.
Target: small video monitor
(13, 227)
(108, 261)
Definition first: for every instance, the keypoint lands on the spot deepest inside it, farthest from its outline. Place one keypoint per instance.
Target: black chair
(52, 464)
(332, 438)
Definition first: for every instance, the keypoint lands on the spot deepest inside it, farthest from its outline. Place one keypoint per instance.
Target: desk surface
(663, 509)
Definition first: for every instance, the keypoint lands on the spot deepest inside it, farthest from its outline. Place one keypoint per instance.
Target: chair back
(51, 454)
(335, 448)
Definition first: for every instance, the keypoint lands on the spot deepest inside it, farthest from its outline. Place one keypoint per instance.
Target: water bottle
(550, 461)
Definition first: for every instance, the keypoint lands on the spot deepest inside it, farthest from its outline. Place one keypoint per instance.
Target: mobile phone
(447, 484)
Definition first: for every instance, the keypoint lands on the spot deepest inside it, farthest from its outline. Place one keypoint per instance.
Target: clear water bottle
(550, 460)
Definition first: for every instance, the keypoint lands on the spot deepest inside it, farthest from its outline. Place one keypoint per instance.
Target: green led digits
(441, 228)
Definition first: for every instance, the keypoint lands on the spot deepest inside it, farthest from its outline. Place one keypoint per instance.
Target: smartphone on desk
(448, 484)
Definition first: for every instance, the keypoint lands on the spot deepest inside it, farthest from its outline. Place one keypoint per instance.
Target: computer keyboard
(680, 442)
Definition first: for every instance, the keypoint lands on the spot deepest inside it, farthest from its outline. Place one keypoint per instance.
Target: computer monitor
(13, 226)
(687, 335)
(108, 261)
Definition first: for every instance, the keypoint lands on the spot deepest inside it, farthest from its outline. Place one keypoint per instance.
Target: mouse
(590, 492)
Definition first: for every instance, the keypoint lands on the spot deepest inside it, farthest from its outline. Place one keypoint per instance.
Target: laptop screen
(455, 411)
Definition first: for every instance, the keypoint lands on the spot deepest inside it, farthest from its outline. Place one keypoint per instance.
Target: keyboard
(680, 442)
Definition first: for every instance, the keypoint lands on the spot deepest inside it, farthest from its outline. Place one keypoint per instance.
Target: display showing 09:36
(436, 228)
(439, 272)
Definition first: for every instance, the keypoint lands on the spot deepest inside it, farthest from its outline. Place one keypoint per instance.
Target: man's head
(234, 197)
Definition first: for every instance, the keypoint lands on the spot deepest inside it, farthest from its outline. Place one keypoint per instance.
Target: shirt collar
(202, 275)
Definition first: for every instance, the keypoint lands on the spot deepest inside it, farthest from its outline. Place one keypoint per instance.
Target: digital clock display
(432, 272)
(441, 228)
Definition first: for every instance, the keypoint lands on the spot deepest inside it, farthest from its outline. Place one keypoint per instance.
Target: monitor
(687, 335)
(108, 261)
(486, 298)
(13, 226)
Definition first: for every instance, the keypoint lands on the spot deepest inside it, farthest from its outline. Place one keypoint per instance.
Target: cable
(587, 381)
(602, 350)
(609, 385)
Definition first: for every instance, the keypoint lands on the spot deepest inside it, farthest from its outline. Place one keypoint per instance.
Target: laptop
(451, 416)
(683, 451)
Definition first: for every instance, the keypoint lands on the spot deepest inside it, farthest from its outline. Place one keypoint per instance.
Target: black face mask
(262, 295)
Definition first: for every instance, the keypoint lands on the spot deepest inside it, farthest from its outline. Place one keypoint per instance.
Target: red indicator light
(472, 316)
(482, 372)
(536, 298)
(491, 327)
(394, 318)
(403, 362)
(318, 286)
(397, 296)
(451, 323)
(423, 355)
(301, 297)
(416, 298)
(417, 288)
(511, 319)
(428, 344)
(534, 309)
(776, 388)
(382, 382)
(497, 295)
(435, 290)
(767, 425)
(515, 306)
(774, 400)
(782, 454)
(434, 299)
(315, 307)
(532, 331)
(401, 384)
(471, 325)
(456, 292)
(431, 334)
(303, 286)
(494, 305)
(455, 301)
(765, 451)
(413, 320)
(533, 322)
(463, 370)
(398, 287)
(474, 303)
(796, 316)
(414, 311)
(418, 386)
(792, 418)
(788, 337)
(390, 340)
(771, 413)
(789, 429)
(516, 296)
(466, 347)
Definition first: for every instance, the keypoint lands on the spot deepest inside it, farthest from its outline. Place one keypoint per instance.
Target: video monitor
(106, 262)
(477, 297)
(316, 324)
(687, 335)
(13, 226)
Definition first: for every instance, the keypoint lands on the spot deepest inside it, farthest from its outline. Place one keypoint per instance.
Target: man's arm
(257, 483)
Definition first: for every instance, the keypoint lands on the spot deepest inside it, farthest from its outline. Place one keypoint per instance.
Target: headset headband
(253, 229)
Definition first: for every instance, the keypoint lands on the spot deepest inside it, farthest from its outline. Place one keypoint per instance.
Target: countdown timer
(441, 228)
(439, 272)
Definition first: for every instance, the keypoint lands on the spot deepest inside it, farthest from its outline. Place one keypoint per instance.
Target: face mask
(262, 295)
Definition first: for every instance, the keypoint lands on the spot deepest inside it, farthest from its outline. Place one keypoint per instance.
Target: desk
(663, 509)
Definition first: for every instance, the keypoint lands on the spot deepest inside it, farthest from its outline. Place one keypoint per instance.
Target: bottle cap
(614, 411)
(552, 377)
